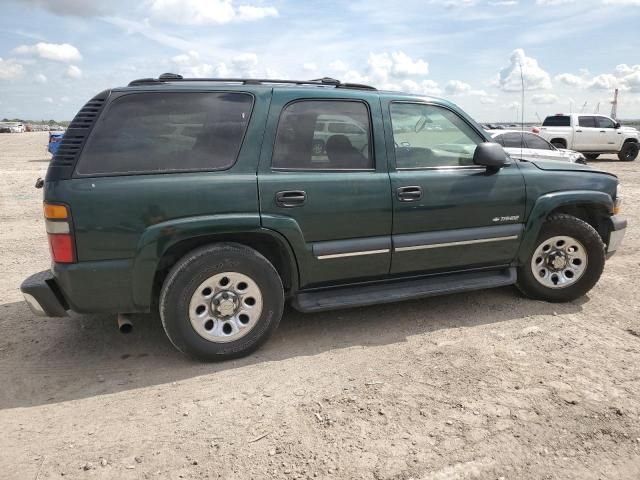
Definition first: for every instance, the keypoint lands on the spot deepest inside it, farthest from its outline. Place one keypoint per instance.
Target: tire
(629, 152)
(591, 156)
(195, 289)
(558, 144)
(590, 253)
(317, 147)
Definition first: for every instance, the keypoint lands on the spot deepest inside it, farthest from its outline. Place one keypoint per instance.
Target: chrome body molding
(352, 254)
(454, 244)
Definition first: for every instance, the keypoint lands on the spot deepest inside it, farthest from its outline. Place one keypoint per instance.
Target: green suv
(209, 202)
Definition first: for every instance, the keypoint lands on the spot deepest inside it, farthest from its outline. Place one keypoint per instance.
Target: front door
(587, 136)
(324, 184)
(610, 136)
(448, 213)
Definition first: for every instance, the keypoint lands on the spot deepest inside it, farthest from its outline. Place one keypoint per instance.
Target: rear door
(448, 214)
(587, 137)
(333, 206)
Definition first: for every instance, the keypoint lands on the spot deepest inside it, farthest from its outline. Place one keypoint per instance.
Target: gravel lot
(485, 385)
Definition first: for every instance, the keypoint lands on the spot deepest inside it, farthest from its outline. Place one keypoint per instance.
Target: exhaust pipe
(125, 325)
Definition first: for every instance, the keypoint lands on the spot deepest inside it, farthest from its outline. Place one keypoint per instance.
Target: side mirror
(490, 155)
(618, 125)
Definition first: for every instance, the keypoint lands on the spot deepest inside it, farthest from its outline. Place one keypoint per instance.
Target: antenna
(597, 109)
(583, 107)
(614, 105)
(521, 110)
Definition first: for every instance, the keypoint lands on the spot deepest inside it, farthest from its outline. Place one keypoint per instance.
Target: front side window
(534, 141)
(302, 142)
(164, 132)
(428, 136)
(604, 122)
(587, 122)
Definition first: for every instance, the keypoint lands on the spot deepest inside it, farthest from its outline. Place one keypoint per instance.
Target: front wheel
(629, 152)
(566, 262)
(221, 301)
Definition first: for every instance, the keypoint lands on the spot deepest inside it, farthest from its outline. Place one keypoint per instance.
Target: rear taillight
(535, 130)
(58, 223)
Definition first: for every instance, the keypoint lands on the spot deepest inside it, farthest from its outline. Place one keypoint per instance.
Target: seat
(343, 155)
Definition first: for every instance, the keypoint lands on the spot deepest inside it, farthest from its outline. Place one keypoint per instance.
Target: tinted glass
(513, 140)
(604, 122)
(431, 136)
(498, 139)
(534, 141)
(153, 132)
(302, 143)
(557, 121)
(588, 122)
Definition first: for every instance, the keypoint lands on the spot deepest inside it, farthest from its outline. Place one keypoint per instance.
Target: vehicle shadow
(46, 361)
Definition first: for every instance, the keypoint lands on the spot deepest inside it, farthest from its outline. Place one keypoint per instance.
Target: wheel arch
(593, 207)
(159, 253)
(559, 140)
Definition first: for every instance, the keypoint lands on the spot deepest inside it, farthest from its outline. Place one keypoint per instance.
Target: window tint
(534, 141)
(302, 144)
(153, 132)
(557, 121)
(604, 122)
(498, 139)
(430, 136)
(513, 140)
(588, 122)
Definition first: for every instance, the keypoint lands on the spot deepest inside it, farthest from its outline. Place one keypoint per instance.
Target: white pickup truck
(590, 134)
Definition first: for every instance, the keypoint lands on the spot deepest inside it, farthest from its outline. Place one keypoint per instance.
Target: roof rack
(325, 82)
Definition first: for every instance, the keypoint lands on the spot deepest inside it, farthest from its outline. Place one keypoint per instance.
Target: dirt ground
(485, 385)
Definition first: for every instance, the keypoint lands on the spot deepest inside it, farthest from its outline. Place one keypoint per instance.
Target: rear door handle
(578, 131)
(409, 194)
(291, 198)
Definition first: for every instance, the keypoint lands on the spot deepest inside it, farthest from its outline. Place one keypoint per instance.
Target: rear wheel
(591, 156)
(566, 262)
(221, 301)
(629, 152)
(317, 147)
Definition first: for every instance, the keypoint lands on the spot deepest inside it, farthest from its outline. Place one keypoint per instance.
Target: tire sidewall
(565, 225)
(194, 269)
(629, 146)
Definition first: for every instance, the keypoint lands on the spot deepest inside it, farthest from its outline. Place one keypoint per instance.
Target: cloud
(245, 64)
(79, 8)
(48, 100)
(456, 87)
(310, 67)
(10, 69)
(487, 100)
(58, 52)
(203, 12)
(606, 81)
(73, 72)
(535, 78)
(338, 66)
(570, 80)
(40, 78)
(190, 65)
(544, 99)
(635, 3)
(146, 30)
(553, 2)
(397, 64)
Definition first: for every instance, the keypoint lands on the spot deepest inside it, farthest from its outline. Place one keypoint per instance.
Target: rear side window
(163, 132)
(557, 121)
(302, 143)
(513, 140)
(588, 122)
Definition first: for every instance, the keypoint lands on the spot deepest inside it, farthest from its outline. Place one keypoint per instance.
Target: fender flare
(545, 204)
(156, 241)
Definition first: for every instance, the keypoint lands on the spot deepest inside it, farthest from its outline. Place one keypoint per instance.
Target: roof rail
(326, 81)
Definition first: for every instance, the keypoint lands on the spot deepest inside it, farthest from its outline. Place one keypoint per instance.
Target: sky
(572, 54)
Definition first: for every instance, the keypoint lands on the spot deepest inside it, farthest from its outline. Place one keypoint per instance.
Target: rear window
(513, 140)
(557, 121)
(163, 132)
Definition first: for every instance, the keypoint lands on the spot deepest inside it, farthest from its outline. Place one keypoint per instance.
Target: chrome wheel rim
(225, 307)
(559, 262)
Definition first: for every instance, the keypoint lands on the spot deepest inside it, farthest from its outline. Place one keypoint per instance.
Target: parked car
(328, 126)
(54, 142)
(4, 128)
(215, 234)
(529, 146)
(13, 127)
(590, 134)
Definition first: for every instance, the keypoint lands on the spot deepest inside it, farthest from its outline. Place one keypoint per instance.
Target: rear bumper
(43, 296)
(616, 234)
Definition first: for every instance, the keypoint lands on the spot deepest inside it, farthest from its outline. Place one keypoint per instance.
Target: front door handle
(291, 198)
(409, 194)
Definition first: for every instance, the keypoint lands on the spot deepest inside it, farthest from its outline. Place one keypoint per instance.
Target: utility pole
(614, 105)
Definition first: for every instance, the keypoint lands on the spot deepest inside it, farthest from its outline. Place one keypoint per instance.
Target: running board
(373, 294)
